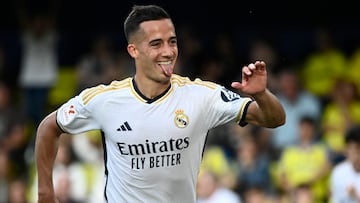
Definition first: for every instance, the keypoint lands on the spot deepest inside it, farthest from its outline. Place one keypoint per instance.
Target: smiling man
(154, 125)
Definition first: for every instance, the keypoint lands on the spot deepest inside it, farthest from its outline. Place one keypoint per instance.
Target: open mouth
(167, 68)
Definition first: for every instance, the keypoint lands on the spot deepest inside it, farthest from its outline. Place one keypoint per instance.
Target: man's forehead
(157, 30)
(157, 25)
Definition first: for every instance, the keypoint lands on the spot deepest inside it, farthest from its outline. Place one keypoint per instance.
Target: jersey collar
(148, 100)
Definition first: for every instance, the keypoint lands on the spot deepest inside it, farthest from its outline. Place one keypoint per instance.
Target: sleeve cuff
(242, 121)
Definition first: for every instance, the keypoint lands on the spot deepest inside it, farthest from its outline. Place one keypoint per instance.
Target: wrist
(260, 95)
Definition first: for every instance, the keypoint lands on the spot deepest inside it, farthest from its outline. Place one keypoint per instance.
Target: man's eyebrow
(155, 40)
(159, 40)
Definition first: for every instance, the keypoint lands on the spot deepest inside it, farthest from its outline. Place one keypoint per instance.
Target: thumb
(236, 85)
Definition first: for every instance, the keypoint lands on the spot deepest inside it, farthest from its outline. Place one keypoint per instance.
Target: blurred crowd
(320, 92)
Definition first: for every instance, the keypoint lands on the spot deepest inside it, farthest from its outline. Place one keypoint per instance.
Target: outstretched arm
(46, 147)
(266, 110)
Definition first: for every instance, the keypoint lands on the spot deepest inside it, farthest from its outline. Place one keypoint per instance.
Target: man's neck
(150, 89)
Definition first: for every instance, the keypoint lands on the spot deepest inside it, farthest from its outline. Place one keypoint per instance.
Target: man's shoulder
(182, 81)
(100, 90)
(342, 167)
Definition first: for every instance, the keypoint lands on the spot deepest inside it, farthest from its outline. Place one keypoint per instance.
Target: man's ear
(132, 50)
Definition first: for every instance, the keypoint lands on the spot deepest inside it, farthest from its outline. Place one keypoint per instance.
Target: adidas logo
(124, 127)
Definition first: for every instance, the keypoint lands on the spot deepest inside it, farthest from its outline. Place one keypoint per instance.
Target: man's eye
(155, 44)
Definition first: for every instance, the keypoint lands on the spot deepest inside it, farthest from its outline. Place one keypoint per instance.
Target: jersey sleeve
(226, 105)
(74, 117)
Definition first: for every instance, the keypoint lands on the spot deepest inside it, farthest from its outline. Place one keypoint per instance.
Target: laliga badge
(181, 120)
(69, 113)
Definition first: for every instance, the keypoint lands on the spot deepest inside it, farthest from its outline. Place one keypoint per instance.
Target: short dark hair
(307, 119)
(141, 13)
(353, 135)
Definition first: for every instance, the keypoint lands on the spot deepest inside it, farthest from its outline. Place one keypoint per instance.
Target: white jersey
(153, 148)
(343, 177)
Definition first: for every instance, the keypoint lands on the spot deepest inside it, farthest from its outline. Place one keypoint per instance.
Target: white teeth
(164, 62)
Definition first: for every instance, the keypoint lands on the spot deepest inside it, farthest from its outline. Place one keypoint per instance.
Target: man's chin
(167, 76)
(165, 79)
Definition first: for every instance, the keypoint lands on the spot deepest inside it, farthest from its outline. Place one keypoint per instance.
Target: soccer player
(154, 124)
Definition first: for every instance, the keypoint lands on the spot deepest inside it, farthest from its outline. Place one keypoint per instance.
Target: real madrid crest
(181, 120)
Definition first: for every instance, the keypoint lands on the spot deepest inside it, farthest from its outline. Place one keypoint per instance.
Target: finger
(252, 66)
(237, 85)
(260, 65)
(246, 70)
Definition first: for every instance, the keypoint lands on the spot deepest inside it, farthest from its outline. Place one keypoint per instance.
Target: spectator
(39, 64)
(215, 159)
(303, 194)
(252, 167)
(70, 180)
(307, 162)
(8, 111)
(345, 176)
(210, 191)
(99, 65)
(323, 65)
(16, 143)
(297, 103)
(340, 113)
(353, 72)
(255, 194)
